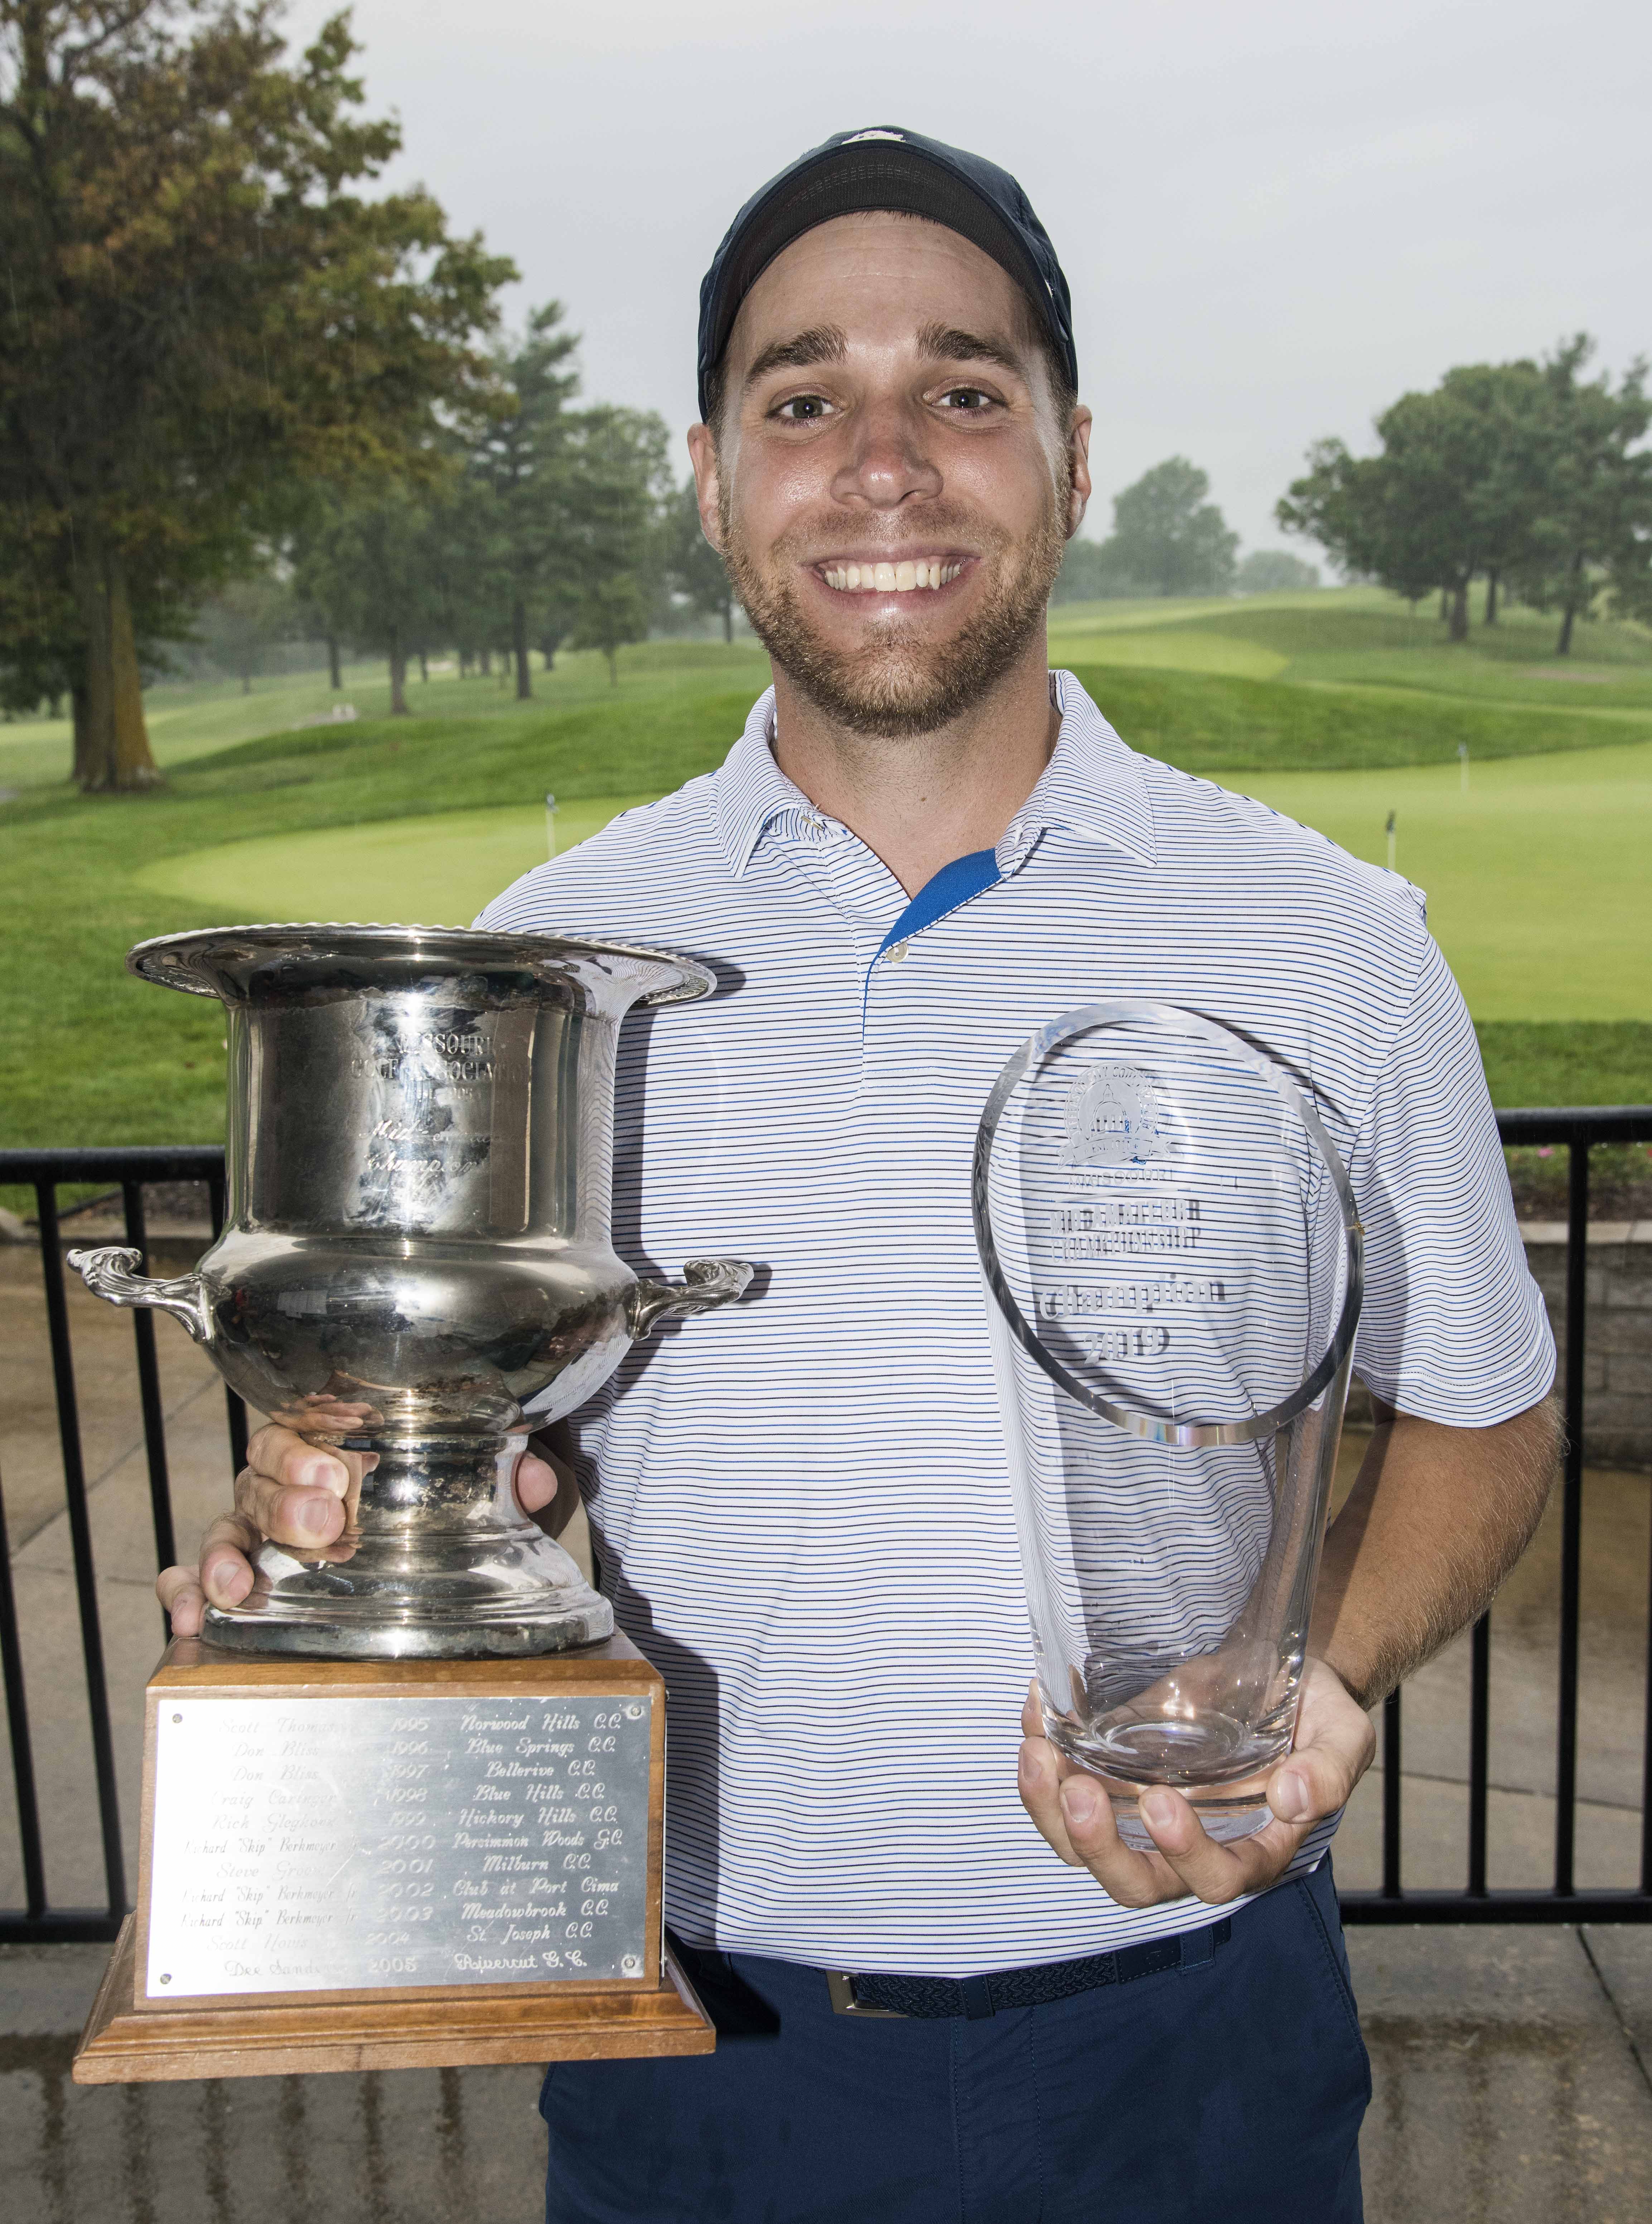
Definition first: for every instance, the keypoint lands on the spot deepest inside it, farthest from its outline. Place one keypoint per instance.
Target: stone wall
(1617, 1352)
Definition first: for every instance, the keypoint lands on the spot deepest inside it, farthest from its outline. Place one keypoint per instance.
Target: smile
(891, 578)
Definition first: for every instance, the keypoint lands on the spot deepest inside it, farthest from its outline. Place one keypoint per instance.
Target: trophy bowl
(1173, 1263)
(416, 1262)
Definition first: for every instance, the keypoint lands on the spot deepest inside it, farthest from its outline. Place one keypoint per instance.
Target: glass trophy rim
(1083, 1019)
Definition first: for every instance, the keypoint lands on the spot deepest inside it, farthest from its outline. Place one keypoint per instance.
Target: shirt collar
(1091, 787)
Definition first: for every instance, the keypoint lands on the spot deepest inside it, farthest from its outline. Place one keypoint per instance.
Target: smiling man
(937, 1999)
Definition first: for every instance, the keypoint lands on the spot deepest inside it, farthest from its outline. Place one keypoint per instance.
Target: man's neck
(924, 799)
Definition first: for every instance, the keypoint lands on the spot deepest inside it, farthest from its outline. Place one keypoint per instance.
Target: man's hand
(1334, 1748)
(300, 1494)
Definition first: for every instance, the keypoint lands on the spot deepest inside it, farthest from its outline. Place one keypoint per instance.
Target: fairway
(434, 871)
(1336, 708)
(1536, 877)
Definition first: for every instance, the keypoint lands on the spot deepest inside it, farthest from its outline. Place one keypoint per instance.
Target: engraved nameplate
(322, 1844)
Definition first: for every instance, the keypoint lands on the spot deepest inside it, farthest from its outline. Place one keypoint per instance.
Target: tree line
(1526, 475)
(231, 379)
(225, 370)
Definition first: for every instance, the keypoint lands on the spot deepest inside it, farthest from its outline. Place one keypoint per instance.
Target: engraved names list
(345, 1844)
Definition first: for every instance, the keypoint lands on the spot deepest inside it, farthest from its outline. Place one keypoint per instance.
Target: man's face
(889, 483)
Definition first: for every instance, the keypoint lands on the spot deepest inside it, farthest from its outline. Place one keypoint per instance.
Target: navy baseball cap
(885, 168)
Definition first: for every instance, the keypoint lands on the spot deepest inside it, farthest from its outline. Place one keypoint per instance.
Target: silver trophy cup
(416, 1260)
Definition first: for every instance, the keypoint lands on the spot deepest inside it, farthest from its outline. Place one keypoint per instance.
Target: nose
(889, 461)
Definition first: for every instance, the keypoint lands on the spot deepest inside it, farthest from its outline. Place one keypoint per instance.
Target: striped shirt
(801, 1503)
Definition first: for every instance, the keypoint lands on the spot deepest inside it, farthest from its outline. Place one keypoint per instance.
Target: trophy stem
(437, 1563)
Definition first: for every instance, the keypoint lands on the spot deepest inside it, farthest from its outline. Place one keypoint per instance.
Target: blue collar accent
(953, 885)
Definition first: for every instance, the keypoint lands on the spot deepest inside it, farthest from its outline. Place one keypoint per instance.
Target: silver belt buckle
(840, 1984)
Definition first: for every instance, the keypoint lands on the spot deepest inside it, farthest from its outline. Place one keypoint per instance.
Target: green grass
(1536, 883)
(1566, 1062)
(437, 871)
(1222, 725)
(192, 719)
(1536, 879)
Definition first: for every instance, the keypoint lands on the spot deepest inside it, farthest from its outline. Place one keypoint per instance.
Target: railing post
(85, 1581)
(1479, 1751)
(1577, 1267)
(1391, 1795)
(23, 1750)
(154, 1425)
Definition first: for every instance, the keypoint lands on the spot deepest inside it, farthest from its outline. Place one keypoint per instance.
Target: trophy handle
(706, 1283)
(109, 1274)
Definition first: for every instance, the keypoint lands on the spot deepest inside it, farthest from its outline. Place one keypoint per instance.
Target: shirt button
(894, 954)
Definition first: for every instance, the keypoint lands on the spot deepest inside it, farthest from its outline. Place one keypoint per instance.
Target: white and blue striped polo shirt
(800, 1503)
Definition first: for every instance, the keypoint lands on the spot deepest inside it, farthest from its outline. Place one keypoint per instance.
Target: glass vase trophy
(1173, 1258)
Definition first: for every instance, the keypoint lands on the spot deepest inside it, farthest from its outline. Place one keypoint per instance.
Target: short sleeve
(1453, 1329)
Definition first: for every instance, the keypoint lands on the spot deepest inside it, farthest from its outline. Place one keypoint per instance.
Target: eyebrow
(820, 344)
(949, 344)
(828, 344)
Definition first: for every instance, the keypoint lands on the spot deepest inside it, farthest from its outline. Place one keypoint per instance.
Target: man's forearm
(1435, 1521)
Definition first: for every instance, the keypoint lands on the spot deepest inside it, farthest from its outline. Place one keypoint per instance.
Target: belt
(883, 1992)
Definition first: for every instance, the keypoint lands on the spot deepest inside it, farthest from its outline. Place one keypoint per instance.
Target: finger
(1038, 1777)
(179, 1592)
(1211, 1871)
(1133, 1879)
(298, 1493)
(1321, 1774)
(287, 1457)
(1032, 1712)
(537, 1481)
(225, 1559)
(298, 1518)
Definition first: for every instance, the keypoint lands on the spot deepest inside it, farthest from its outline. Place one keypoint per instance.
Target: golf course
(1520, 790)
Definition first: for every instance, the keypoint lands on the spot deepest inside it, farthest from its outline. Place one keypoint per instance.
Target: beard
(900, 683)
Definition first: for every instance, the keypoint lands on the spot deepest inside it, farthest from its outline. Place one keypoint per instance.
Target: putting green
(437, 871)
(1536, 877)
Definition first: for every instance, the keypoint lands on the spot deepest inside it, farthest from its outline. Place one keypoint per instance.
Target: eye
(970, 399)
(803, 409)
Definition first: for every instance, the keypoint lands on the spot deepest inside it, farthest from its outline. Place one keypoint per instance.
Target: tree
(373, 568)
(522, 456)
(1272, 572)
(1405, 518)
(612, 612)
(1166, 534)
(1091, 572)
(1594, 530)
(618, 489)
(245, 619)
(1515, 472)
(692, 565)
(201, 314)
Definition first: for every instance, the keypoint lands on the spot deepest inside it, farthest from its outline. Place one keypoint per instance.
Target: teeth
(891, 578)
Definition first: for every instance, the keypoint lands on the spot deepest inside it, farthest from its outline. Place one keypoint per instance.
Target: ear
(708, 481)
(1078, 450)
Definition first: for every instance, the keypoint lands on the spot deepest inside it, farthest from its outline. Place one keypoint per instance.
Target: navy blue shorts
(1230, 2091)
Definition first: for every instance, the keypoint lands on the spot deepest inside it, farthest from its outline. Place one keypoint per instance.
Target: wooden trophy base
(121, 2045)
(286, 1837)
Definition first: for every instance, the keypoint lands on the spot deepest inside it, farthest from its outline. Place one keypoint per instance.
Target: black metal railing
(1577, 1131)
(129, 1171)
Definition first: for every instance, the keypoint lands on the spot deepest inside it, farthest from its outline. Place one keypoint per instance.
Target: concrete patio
(1510, 2069)
(1511, 2065)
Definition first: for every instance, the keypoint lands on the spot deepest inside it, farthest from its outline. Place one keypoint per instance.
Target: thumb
(537, 1482)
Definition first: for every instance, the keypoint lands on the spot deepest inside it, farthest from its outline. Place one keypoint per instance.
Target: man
(922, 845)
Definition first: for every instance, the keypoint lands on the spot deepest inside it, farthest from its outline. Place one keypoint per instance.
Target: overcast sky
(1274, 215)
